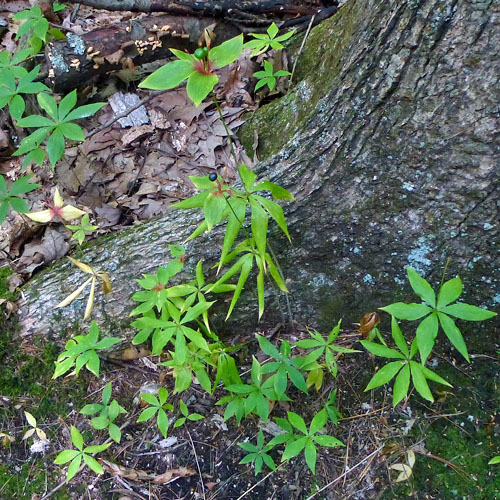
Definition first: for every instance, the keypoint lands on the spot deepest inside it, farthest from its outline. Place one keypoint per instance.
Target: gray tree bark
(389, 141)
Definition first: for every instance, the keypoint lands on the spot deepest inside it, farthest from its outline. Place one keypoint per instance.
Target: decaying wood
(212, 8)
(125, 45)
(141, 40)
(389, 143)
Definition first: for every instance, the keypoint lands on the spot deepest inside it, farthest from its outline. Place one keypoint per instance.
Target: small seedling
(186, 415)
(81, 351)
(265, 41)
(11, 196)
(257, 454)
(76, 456)
(268, 76)
(58, 126)
(158, 407)
(108, 412)
(81, 231)
(306, 440)
(34, 428)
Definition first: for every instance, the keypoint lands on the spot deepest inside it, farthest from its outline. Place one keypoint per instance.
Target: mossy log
(389, 142)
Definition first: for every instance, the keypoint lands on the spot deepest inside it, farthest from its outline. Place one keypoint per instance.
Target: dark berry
(212, 177)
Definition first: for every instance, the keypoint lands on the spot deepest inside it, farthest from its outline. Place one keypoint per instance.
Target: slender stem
(448, 260)
(228, 132)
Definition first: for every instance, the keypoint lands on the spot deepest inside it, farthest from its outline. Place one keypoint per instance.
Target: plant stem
(228, 132)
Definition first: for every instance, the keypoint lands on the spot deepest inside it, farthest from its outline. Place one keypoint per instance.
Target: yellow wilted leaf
(90, 302)
(84, 267)
(74, 295)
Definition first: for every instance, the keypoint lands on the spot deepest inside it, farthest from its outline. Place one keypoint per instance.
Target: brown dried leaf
(368, 322)
(173, 474)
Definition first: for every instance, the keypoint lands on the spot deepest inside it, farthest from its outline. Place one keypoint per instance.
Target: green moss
(23, 479)
(5, 272)
(466, 437)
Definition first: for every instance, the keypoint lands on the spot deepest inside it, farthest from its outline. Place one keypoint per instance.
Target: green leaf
(35, 121)
(454, 334)
(259, 227)
(278, 192)
(273, 30)
(55, 146)
(297, 421)
(421, 287)
(23, 186)
(147, 414)
(381, 350)
(426, 335)
(84, 111)
(74, 467)
(449, 292)
(76, 438)
(200, 85)
(401, 385)
(162, 421)
(48, 104)
(97, 448)
(397, 335)
(91, 409)
(214, 208)
(65, 456)
(385, 374)
(434, 377)
(93, 464)
(72, 131)
(245, 264)
(247, 176)
(106, 393)
(318, 422)
(234, 222)
(468, 312)
(183, 56)
(325, 440)
(408, 312)
(19, 205)
(67, 103)
(226, 52)
(276, 212)
(494, 460)
(293, 448)
(420, 382)
(150, 399)
(17, 107)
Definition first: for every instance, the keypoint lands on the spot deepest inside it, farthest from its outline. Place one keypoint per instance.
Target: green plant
(268, 76)
(36, 25)
(284, 366)
(306, 440)
(76, 456)
(108, 413)
(58, 126)
(220, 202)
(251, 398)
(81, 351)
(192, 417)
(198, 69)
(84, 229)
(34, 428)
(324, 347)
(494, 460)
(437, 312)
(95, 276)
(402, 368)
(158, 407)
(257, 454)
(17, 82)
(11, 196)
(262, 41)
(331, 408)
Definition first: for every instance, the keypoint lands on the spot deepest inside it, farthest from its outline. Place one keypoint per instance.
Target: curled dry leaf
(368, 322)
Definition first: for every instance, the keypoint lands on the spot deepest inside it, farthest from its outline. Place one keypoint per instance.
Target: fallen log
(389, 142)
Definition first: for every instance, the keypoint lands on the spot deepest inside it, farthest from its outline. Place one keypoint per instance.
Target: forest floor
(127, 174)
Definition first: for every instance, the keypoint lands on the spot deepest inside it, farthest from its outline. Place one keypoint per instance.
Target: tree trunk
(389, 142)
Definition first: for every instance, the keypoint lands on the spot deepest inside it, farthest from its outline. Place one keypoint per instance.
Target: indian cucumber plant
(174, 316)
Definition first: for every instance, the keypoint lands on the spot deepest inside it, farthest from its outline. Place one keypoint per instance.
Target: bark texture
(389, 142)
